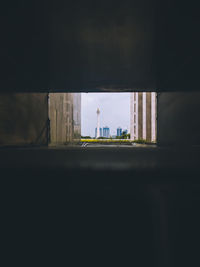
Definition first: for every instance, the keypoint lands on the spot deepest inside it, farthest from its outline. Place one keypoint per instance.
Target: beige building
(143, 116)
(77, 115)
(64, 127)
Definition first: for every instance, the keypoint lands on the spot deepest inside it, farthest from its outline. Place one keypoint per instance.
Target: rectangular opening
(118, 118)
(83, 119)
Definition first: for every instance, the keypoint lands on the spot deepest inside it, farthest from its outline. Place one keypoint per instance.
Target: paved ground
(116, 145)
(157, 215)
(102, 157)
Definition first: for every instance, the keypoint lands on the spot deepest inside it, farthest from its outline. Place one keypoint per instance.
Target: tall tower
(98, 123)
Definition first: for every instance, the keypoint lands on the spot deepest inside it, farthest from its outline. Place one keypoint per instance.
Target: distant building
(119, 131)
(100, 132)
(143, 116)
(125, 131)
(106, 132)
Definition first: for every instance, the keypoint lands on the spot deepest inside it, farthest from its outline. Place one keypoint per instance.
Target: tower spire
(98, 122)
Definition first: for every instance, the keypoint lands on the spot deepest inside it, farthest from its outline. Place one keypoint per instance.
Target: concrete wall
(23, 119)
(179, 118)
(116, 45)
(61, 118)
(77, 45)
(77, 115)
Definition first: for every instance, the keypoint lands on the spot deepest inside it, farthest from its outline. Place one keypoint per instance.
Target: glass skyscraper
(119, 131)
(106, 132)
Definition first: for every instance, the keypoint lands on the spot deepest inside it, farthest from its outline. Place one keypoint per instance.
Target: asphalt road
(115, 145)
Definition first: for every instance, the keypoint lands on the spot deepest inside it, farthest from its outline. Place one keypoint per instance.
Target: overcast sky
(114, 112)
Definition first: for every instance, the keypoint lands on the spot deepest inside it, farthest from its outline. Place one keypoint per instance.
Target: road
(110, 145)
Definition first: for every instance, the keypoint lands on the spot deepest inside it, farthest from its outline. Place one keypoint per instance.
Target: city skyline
(114, 112)
(105, 132)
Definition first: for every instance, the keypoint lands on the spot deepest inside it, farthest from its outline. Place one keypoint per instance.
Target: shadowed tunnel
(152, 196)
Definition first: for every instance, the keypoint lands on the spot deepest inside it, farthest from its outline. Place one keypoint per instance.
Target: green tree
(86, 137)
(125, 135)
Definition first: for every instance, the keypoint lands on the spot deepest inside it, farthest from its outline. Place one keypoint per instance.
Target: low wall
(23, 119)
(178, 119)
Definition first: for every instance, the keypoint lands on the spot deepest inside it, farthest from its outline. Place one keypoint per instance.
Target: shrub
(86, 137)
(140, 141)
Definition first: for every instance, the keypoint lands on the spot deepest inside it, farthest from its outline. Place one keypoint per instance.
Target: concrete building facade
(143, 116)
(65, 117)
(77, 115)
(39, 118)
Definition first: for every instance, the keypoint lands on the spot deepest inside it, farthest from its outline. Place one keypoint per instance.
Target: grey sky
(114, 111)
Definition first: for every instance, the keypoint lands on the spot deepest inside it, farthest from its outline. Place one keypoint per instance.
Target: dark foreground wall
(23, 119)
(178, 118)
(99, 45)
